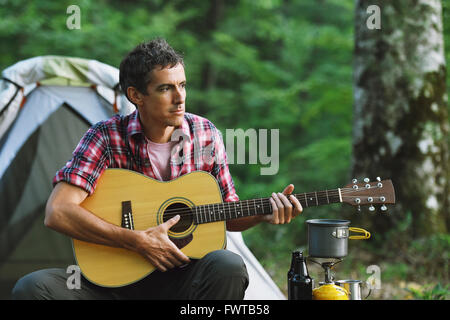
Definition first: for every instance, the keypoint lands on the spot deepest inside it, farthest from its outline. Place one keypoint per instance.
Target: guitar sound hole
(186, 216)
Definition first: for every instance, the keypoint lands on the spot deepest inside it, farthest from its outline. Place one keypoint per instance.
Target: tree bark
(400, 112)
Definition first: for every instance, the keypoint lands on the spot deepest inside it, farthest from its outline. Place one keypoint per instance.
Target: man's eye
(163, 89)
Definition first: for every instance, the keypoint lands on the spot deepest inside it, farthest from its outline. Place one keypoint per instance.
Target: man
(153, 78)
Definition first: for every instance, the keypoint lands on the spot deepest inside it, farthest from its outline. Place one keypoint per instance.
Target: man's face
(164, 104)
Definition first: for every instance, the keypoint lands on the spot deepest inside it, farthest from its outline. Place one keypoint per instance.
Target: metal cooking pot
(328, 238)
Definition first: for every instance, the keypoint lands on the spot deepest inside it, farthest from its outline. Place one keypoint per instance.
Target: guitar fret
(310, 197)
(306, 199)
(318, 198)
(328, 198)
(195, 215)
(224, 212)
(215, 219)
(228, 209)
(248, 208)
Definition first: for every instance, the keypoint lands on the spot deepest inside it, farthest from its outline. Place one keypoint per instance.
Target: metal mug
(354, 287)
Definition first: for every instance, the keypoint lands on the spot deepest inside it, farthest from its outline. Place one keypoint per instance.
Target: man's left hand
(285, 207)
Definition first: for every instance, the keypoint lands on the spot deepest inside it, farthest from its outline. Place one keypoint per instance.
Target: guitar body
(150, 203)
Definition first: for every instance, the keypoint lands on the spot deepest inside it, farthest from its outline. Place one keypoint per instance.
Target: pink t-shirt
(159, 154)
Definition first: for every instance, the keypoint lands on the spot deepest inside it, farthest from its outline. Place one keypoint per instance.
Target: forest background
(264, 64)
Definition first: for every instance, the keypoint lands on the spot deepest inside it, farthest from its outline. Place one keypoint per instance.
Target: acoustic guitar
(134, 201)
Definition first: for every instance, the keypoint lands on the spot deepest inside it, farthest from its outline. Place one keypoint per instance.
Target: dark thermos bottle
(300, 284)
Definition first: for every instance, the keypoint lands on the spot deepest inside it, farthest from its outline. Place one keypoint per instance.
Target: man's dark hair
(135, 68)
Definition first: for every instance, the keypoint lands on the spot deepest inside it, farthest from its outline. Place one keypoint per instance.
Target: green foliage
(437, 292)
(429, 257)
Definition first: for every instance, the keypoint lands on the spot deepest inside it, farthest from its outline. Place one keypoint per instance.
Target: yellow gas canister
(330, 292)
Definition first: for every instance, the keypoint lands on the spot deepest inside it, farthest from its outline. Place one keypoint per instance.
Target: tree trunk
(400, 112)
(208, 73)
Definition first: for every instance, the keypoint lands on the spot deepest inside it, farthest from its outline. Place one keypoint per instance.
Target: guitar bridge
(127, 215)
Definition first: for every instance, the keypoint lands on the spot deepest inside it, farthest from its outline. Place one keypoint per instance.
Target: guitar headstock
(369, 193)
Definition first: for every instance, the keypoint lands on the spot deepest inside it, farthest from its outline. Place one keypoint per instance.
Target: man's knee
(33, 285)
(27, 287)
(227, 264)
(223, 276)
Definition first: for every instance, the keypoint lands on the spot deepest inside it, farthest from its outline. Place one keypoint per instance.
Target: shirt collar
(135, 127)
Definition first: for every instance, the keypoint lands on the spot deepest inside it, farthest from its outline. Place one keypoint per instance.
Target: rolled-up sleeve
(90, 159)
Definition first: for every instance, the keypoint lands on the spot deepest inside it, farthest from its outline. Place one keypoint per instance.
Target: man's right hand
(155, 245)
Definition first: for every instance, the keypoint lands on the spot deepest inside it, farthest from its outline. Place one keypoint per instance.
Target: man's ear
(134, 95)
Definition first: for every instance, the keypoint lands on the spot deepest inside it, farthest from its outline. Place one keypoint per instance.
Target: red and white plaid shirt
(120, 143)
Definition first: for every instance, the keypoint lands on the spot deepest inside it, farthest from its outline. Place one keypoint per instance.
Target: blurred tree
(400, 111)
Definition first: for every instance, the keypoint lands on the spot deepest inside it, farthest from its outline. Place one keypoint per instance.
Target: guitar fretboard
(245, 208)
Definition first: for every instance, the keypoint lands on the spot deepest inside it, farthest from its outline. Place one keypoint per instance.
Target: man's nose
(179, 95)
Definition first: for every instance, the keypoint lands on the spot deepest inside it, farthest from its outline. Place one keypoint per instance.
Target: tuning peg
(378, 179)
(372, 208)
(366, 180)
(383, 208)
(355, 181)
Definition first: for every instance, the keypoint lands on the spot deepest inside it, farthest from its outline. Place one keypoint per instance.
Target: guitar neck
(246, 208)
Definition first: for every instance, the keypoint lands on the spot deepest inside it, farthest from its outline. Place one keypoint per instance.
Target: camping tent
(46, 105)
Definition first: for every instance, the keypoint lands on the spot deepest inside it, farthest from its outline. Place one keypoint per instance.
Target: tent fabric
(264, 290)
(68, 70)
(41, 103)
(55, 70)
(46, 105)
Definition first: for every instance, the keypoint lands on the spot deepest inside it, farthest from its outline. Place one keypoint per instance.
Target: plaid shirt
(120, 143)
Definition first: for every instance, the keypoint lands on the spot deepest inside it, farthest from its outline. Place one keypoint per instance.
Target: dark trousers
(220, 274)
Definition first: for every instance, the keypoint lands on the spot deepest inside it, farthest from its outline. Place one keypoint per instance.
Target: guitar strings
(205, 213)
(228, 209)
